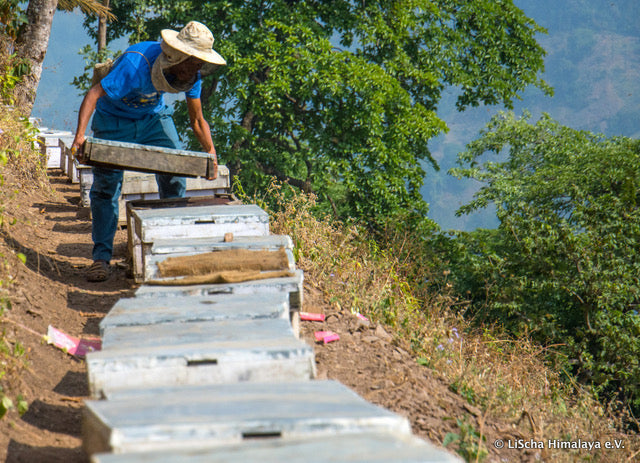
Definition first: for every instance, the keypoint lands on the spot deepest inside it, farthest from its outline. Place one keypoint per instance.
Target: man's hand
(77, 148)
(213, 175)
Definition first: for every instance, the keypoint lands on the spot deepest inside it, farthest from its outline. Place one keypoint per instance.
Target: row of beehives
(217, 372)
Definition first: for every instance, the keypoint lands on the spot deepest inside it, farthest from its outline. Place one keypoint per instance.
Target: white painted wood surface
(196, 417)
(291, 285)
(137, 311)
(207, 352)
(341, 448)
(200, 222)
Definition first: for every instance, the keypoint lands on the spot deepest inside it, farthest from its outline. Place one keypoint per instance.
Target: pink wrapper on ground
(312, 317)
(326, 336)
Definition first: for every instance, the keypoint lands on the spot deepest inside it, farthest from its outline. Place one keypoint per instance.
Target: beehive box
(65, 143)
(137, 186)
(169, 354)
(190, 309)
(76, 171)
(197, 417)
(341, 448)
(49, 147)
(290, 285)
(148, 225)
(85, 175)
(145, 158)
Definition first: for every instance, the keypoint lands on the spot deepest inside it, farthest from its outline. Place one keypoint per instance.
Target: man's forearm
(87, 108)
(203, 134)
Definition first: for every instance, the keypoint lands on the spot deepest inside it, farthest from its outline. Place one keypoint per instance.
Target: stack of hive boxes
(210, 368)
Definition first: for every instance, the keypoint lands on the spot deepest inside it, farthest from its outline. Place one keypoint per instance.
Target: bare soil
(51, 289)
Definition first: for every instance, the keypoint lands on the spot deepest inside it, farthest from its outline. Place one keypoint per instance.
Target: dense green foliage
(339, 97)
(564, 264)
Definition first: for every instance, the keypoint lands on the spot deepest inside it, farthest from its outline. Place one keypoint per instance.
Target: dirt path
(51, 290)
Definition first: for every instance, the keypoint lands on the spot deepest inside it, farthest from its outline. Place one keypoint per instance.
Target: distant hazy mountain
(593, 63)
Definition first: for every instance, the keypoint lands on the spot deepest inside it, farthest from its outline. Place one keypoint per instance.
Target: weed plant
(391, 280)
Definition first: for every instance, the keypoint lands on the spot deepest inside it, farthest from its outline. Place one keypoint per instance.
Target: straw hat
(195, 39)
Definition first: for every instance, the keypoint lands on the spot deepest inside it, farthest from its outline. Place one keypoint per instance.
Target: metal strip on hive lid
(341, 448)
(192, 417)
(189, 309)
(144, 158)
(198, 353)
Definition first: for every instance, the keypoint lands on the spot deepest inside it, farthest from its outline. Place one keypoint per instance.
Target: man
(128, 106)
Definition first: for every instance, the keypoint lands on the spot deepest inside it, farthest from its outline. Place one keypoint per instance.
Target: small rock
(382, 334)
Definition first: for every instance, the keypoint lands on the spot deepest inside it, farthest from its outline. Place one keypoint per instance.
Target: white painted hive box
(289, 285)
(170, 354)
(197, 417)
(191, 309)
(342, 448)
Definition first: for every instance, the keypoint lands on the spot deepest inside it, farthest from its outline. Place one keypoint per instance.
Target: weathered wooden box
(195, 222)
(341, 448)
(86, 180)
(144, 158)
(49, 147)
(64, 143)
(197, 417)
(138, 311)
(223, 351)
(146, 226)
(137, 186)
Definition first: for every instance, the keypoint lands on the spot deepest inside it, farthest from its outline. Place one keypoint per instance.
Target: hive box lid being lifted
(144, 158)
(192, 417)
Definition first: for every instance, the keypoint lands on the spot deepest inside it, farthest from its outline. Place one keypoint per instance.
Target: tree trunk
(102, 28)
(31, 46)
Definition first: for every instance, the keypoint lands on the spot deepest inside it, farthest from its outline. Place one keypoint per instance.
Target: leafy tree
(564, 264)
(339, 97)
(31, 29)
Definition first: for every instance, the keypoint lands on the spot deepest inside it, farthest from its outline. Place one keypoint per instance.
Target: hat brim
(210, 56)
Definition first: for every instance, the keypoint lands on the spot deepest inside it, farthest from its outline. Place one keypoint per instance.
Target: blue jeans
(155, 130)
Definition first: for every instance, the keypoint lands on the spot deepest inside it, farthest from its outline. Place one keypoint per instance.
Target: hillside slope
(51, 290)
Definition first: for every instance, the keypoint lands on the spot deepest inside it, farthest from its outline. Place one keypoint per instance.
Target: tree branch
(301, 184)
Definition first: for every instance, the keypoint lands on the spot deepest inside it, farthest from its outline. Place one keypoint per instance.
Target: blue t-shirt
(129, 91)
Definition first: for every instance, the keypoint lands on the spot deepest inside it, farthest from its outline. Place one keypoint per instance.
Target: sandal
(98, 271)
